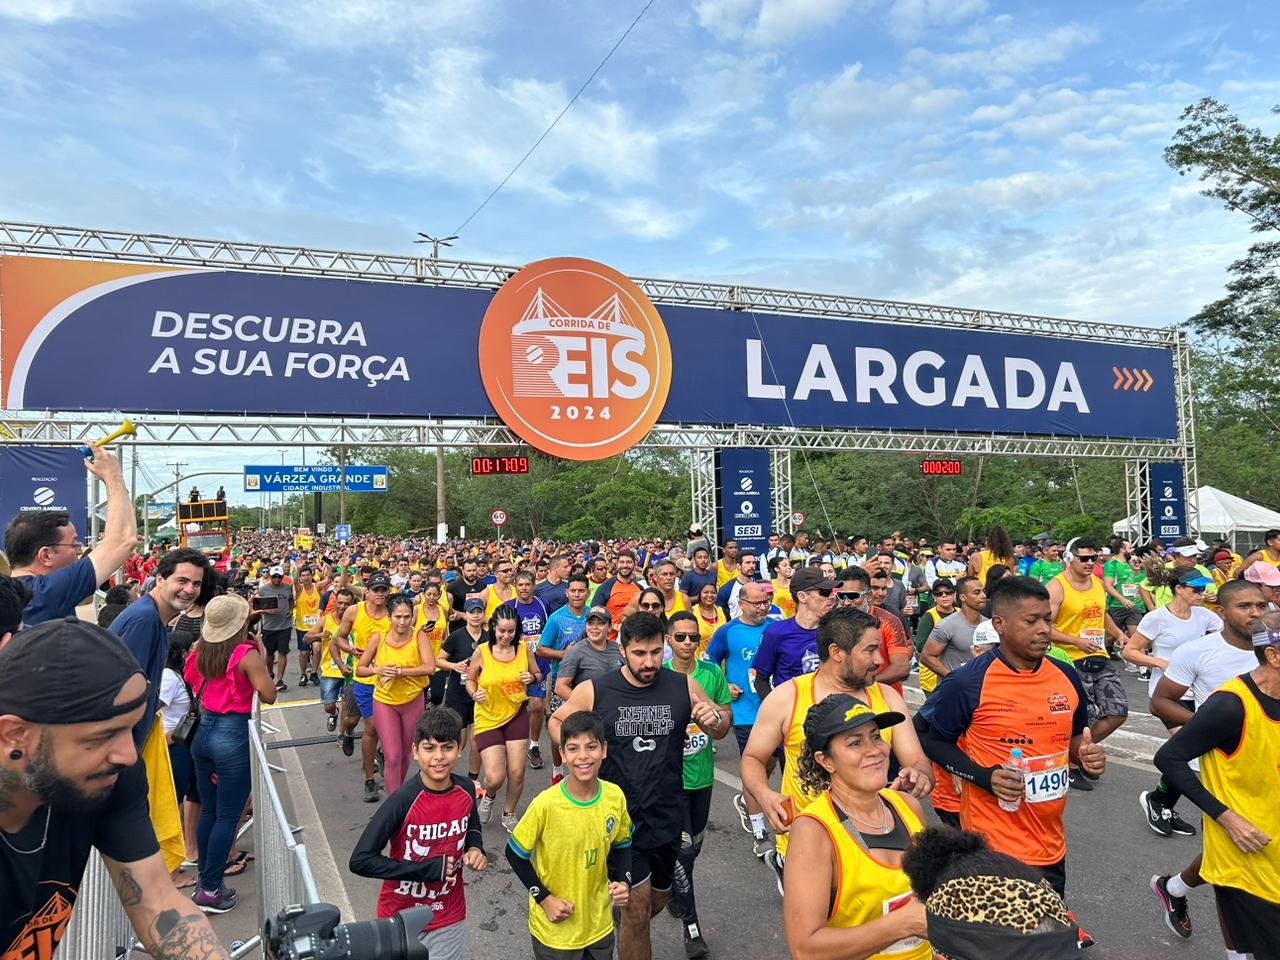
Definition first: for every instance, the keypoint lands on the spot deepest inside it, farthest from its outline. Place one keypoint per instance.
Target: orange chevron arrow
(1150, 381)
(1128, 378)
(1116, 385)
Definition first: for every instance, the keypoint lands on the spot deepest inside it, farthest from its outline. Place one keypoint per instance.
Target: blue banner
(320, 478)
(746, 498)
(342, 532)
(44, 478)
(307, 345)
(1168, 502)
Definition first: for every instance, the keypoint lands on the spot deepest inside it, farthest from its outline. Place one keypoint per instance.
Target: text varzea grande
(876, 376)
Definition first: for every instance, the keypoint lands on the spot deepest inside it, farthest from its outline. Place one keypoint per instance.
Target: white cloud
(908, 19)
(848, 102)
(1011, 58)
(46, 12)
(770, 23)
(647, 219)
(345, 24)
(449, 121)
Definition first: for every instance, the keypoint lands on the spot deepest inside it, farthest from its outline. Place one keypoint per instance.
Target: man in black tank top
(646, 712)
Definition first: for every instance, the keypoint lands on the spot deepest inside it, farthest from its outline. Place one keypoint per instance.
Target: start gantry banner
(569, 353)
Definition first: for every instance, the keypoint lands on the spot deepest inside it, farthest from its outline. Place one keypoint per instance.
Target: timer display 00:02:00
(489, 466)
(941, 468)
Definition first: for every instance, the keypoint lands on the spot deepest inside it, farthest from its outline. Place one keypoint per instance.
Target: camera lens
(386, 939)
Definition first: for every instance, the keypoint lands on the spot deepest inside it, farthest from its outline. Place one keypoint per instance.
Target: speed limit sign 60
(498, 517)
(797, 519)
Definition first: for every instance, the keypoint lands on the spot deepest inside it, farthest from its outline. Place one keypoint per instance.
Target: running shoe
(281, 685)
(694, 946)
(674, 909)
(331, 722)
(556, 778)
(371, 791)
(377, 761)
(315, 679)
(486, 809)
(760, 845)
(1083, 939)
(1159, 819)
(775, 864)
(1180, 826)
(740, 804)
(303, 681)
(1144, 673)
(348, 743)
(1176, 917)
(535, 757)
(1130, 667)
(217, 901)
(1078, 781)
(509, 821)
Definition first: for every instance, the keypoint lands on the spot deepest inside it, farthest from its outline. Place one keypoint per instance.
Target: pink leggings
(395, 734)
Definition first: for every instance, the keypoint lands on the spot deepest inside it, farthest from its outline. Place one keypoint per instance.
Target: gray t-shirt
(955, 633)
(584, 662)
(282, 618)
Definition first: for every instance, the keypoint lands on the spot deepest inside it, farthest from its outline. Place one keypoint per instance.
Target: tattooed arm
(169, 925)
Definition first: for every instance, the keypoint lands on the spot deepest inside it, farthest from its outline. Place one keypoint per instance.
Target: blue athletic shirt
(734, 645)
(561, 632)
(786, 650)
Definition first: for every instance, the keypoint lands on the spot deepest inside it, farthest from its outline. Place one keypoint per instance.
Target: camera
(312, 932)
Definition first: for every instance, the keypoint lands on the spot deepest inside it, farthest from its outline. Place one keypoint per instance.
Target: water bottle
(1018, 766)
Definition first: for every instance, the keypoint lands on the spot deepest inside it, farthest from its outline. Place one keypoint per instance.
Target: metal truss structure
(41, 240)
(780, 468)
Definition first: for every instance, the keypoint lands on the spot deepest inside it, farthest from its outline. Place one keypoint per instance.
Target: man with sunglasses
(1081, 625)
(866, 591)
(789, 648)
(44, 548)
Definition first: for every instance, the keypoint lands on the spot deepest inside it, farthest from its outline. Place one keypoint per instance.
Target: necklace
(48, 813)
(886, 821)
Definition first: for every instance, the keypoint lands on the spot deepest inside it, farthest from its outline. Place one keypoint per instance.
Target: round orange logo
(575, 359)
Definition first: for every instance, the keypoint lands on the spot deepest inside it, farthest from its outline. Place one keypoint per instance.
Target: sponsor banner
(1168, 493)
(342, 532)
(321, 478)
(580, 363)
(44, 478)
(746, 498)
(161, 509)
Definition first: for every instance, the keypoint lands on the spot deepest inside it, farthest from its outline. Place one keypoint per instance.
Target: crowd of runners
(621, 666)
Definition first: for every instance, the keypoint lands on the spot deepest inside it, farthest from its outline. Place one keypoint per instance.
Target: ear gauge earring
(15, 754)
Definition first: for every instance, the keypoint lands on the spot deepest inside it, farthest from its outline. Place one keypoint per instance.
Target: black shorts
(1253, 924)
(949, 818)
(1056, 874)
(600, 950)
(277, 641)
(1125, 617)
(304, 645)
(1189, 704)
(655, 864)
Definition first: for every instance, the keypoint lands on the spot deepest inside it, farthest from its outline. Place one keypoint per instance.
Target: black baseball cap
(811, 578)
(66, 671)
(379, 580)
(840, 712)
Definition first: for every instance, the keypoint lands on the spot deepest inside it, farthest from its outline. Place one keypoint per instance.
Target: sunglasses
(650, 606)
(1195, 589)
(689, 637)
(944, 593)
(1087, 558)
(848, 594)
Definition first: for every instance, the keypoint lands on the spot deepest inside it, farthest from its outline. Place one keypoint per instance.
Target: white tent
(1218, 514)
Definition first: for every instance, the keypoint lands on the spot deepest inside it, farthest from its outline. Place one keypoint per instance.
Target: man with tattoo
(70, 780)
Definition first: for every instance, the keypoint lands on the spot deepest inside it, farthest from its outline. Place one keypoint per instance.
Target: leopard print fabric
(1000, 901)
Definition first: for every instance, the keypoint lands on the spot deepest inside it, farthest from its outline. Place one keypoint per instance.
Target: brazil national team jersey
(568, 842)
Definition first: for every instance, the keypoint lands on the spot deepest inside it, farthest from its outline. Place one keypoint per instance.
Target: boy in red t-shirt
(433, 830)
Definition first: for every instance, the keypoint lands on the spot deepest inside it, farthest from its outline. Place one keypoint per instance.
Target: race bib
(1047, 777)
(906, 944)
(311, 620)
(1129, 591)
(695, 740)
(1098, 636)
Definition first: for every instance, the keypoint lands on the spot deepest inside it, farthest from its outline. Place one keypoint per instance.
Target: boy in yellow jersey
(572, 851)
(849, 656)
(1236, 735)
(1081, 625)
(334, 669)
(306, 616)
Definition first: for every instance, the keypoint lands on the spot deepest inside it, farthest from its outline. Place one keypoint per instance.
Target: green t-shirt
(699, 760)
(1123, 575)
(1044, 570)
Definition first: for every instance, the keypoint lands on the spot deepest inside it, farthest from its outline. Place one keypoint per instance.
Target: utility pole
(442, 522)
(342, 483)
(177, 485)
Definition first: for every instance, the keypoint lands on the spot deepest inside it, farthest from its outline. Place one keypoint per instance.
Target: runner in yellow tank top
(306, 616)
(502, 590)
(850, 840)
(359, 623)
(498, 679)
(333, 673)
(849, 656)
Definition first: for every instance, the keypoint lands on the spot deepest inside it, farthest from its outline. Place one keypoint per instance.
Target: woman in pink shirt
(224, 670)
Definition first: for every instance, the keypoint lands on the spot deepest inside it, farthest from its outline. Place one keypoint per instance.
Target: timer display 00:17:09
(489, 466)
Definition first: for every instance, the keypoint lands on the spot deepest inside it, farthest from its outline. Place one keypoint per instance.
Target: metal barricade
(99, 926)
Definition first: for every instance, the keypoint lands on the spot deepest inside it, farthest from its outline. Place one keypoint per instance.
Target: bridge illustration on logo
(546, 332)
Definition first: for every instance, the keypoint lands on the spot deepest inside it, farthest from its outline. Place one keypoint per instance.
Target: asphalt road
(1112, 855)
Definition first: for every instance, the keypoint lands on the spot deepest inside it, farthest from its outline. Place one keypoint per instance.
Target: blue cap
(473, 603)
(1194, 578)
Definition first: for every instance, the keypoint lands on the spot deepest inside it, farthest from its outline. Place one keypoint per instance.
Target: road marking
(291, 703)
(728, 779)
(324, 869)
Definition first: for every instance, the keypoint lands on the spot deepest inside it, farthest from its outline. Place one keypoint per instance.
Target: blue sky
(1001, 155)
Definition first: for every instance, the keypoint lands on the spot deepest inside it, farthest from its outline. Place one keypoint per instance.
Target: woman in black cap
(984, 905)
(851, 898)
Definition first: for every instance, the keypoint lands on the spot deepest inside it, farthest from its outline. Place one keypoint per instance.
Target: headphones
(1067, 555)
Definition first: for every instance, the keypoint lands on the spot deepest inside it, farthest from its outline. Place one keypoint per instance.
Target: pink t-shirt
(231, 693)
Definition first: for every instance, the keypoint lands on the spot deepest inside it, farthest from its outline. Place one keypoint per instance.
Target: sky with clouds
(970, 152)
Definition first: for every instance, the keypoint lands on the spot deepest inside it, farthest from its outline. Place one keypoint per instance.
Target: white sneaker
(486, 809)
(775, 864)
(761, 845)
(740, 804)
(509, 821)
